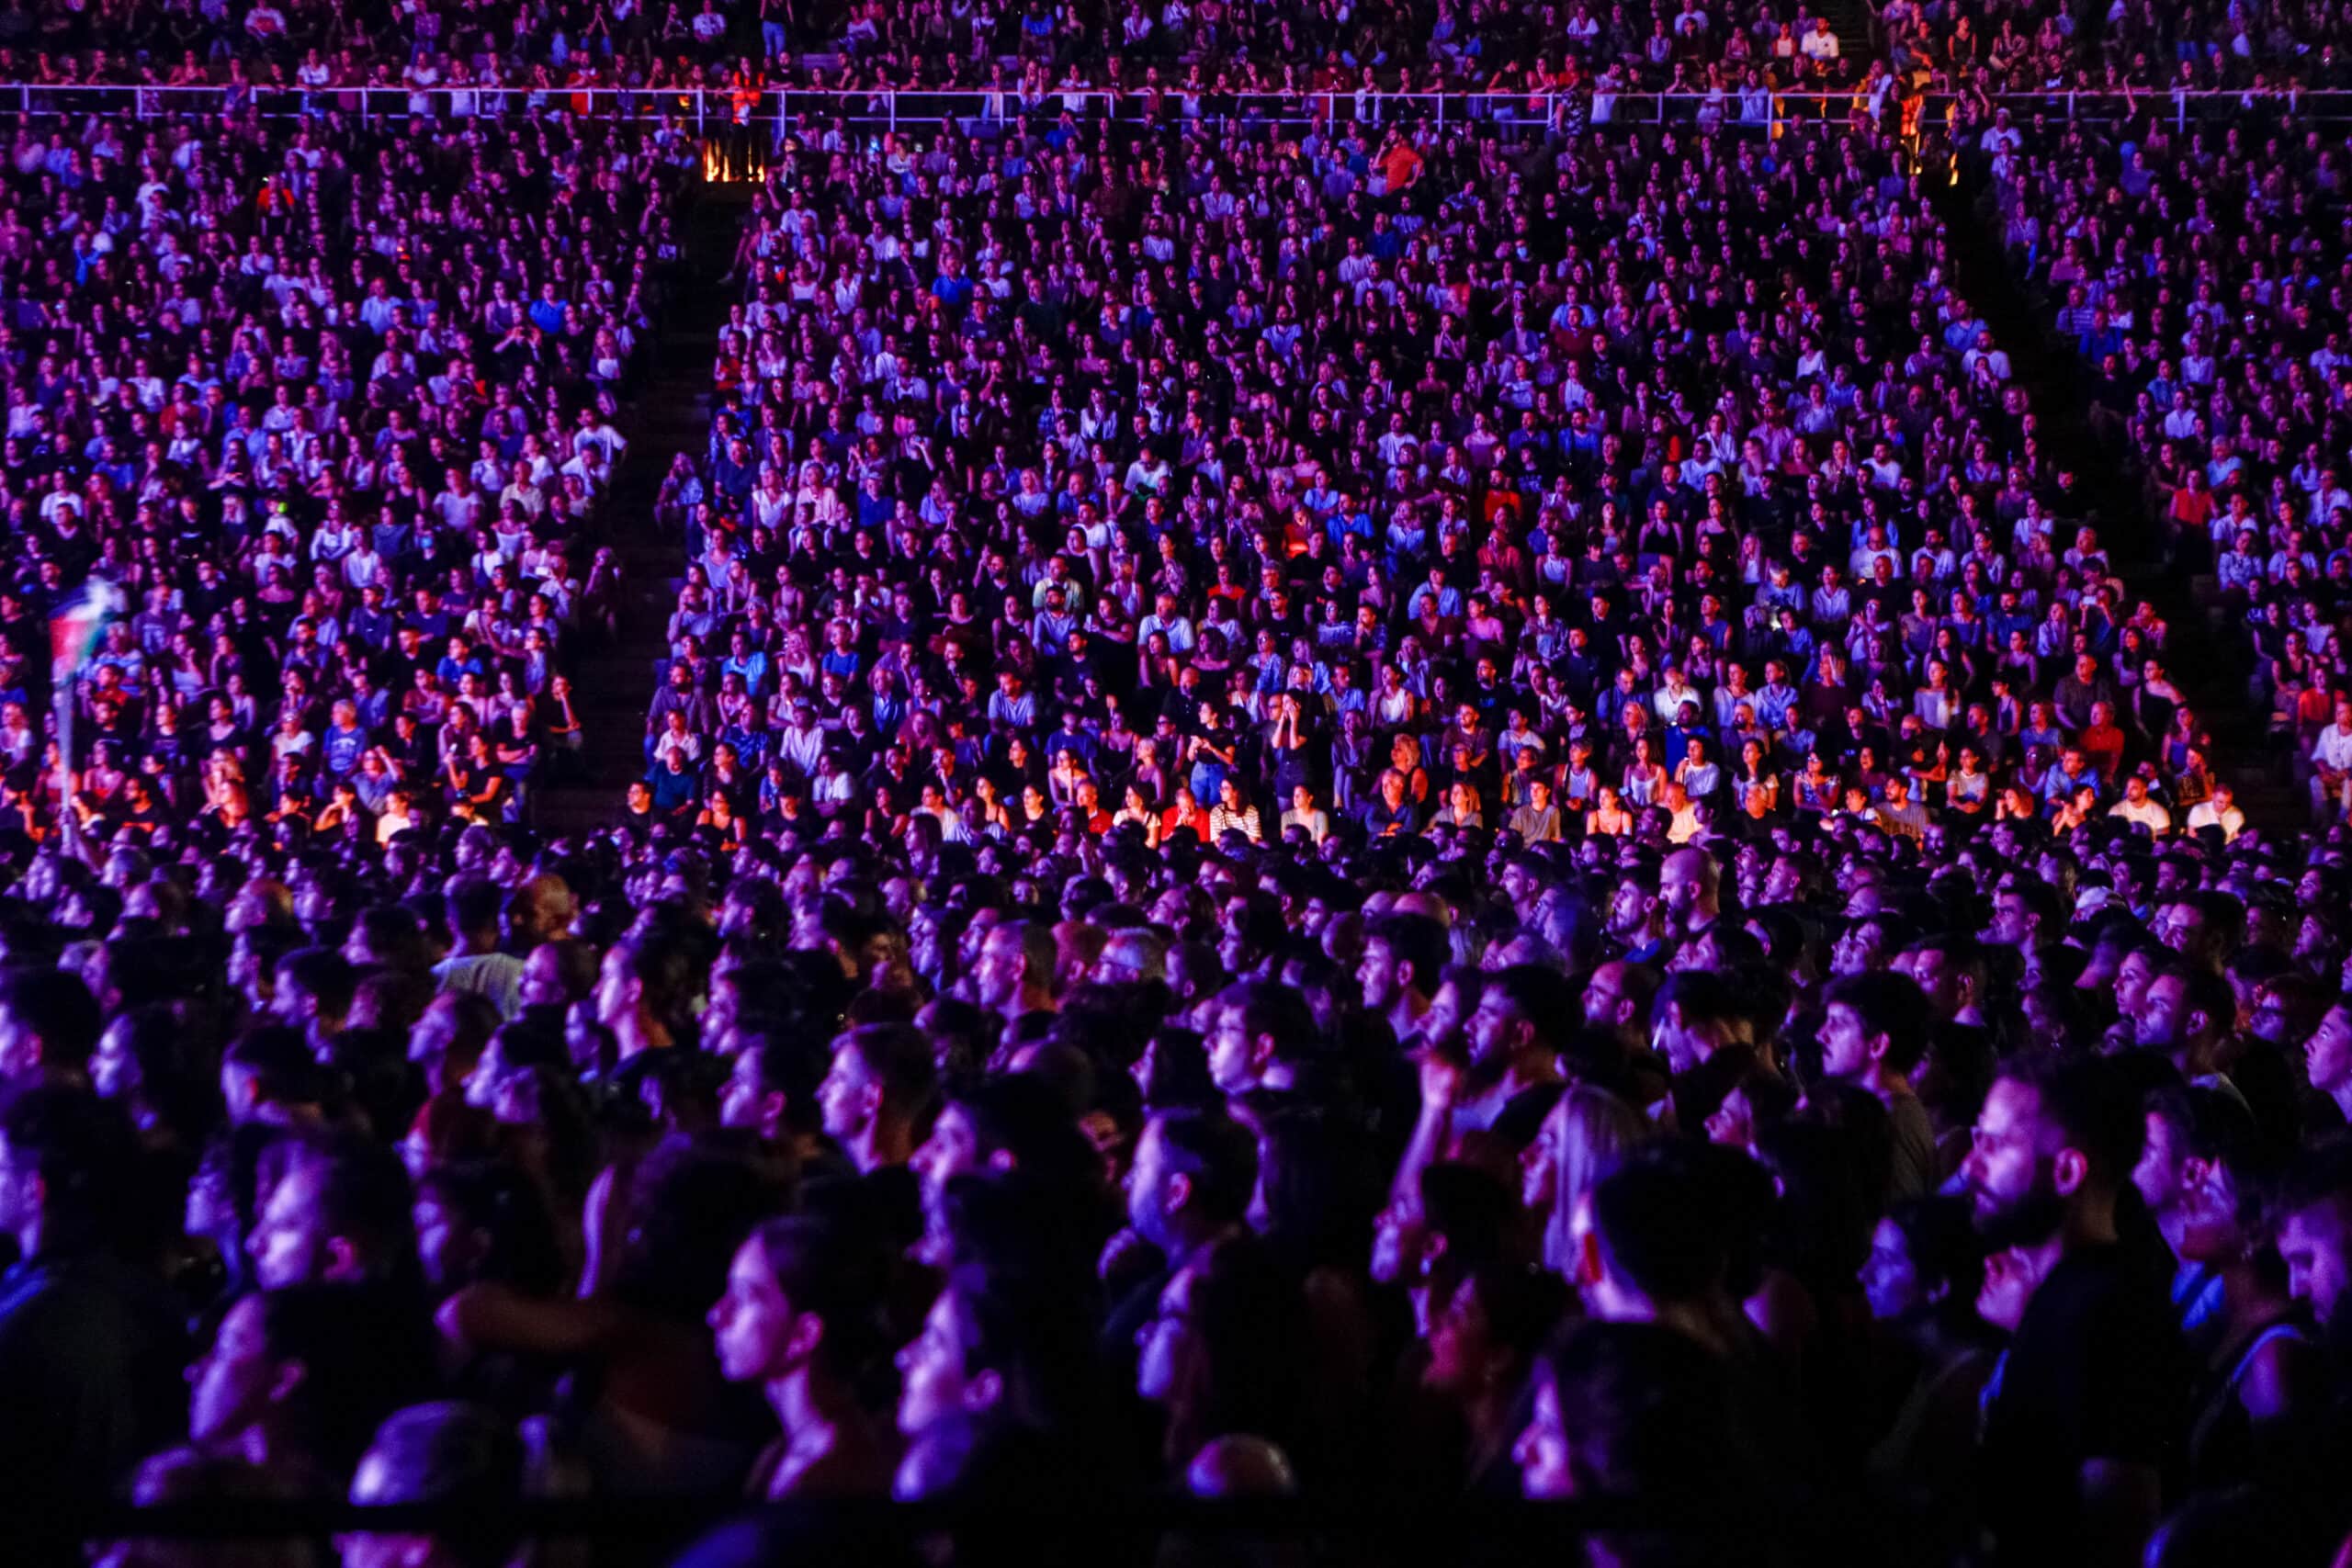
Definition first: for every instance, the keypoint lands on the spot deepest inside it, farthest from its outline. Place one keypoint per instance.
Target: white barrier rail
(708, 109)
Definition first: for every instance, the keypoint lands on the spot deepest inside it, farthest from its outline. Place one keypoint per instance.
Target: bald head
(1137, 952)
(541, 910)
(1239, 1466)
(1687, 887)
(260, 902)
(1422, 903)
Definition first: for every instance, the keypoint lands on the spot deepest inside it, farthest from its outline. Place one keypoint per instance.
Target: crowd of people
(1197, 46)
(1534, 487)
(1390, 810)
(331, 410)
(2202, 281)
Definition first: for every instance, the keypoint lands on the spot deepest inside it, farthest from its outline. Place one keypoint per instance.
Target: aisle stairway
(1850, 21)
(614, 684)
(2209, 660)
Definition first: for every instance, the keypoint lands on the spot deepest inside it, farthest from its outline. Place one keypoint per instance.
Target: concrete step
(671, 414)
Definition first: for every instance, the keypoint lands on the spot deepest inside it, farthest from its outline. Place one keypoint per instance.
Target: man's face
(2181, 927)
(1941, 979)
(617, 991)
(1147, 1184)
(232, 1383)
(1680, 884)
(542, 981)
(2164, 1021)
(1604, 996)
(1629, 911)
(996, 976)
(1376, 972)
(2009, 1182)
(1857, 950)
(2315, 1246)
(1493, 1032)
(1232, 1052)
(1232, 949)
(2012, 927)
(1845, 1045)
(289, 1245)
(2327, 1055)
(1673, 1037)
(846, 1098)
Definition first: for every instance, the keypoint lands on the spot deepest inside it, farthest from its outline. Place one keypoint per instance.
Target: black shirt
(2094, 1371)
(90, 1359)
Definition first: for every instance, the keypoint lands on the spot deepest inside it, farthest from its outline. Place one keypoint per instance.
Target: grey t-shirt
(1915, 1172)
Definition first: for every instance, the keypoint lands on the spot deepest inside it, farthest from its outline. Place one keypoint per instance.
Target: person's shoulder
(2094, 1291)
(47, 1306)
(469, 966)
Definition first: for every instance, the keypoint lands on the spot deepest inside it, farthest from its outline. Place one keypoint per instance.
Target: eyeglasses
(1986, 1140)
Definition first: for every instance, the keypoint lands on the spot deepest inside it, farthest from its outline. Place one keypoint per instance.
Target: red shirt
(1176, 816)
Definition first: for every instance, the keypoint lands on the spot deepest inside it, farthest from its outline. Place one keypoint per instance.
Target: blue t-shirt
(344, 749)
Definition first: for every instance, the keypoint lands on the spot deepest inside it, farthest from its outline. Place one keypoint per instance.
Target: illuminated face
(231, 1383)
(1167, 1346)
(933, 1383)
(1890, 1277)
(2004, 1171)
(289, 1245)
(751, 1322)
(1542, 1452)
(1845, 1046)
(2312, 1243)
(846, 1097)
(2328, 1054)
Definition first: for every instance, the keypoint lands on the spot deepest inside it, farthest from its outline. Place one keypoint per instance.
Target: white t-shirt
(2203, 815)
(2148, 814)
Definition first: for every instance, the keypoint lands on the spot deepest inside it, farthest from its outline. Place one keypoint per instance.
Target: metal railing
(1345, 1531)
(867, 110)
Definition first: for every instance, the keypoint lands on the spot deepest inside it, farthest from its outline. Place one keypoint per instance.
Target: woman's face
(931, 1367)
(1542, 1452)
(233, 1382)
(1539, 1166)
(2328, 1054)
(1462, 1344)
(1890, 1280)
(114, 1071)
(1445, 1015)
(2210, 1231)
(1166, 1347)
(751, 1324)
(2010, 1277)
